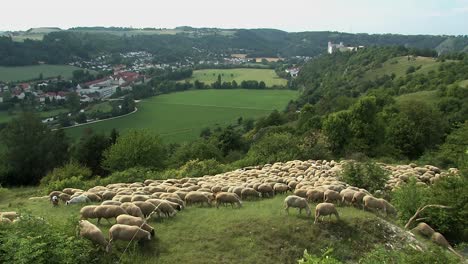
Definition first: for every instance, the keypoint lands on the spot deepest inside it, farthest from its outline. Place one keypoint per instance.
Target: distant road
(100, 120)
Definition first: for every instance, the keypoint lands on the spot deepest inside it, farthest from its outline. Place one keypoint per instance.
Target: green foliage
(89, 151)
(31, 149)
(198, 168)
(324, 259)
(201, 149)
(274, 147)
(416, 128)
(367, 175)
(337, 130)
(408, 198)
(409, 255)
(133, 149)
(136, 174)
(32, 240)
(72, 169)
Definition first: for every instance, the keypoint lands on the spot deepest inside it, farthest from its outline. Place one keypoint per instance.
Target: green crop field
(25, 73)
(227, 75)
(399, 65)
(181, 116)
(5, 116)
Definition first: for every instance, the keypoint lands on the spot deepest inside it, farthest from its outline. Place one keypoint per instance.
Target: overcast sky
(356, 16)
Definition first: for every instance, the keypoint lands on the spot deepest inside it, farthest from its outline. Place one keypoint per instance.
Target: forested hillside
(63, 46)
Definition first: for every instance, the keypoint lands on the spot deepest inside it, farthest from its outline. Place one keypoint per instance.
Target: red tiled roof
(96, 81)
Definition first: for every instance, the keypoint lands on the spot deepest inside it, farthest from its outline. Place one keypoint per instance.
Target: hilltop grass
(228, 75)
(179, 117)
(429, 97)
(25, 73)
(399, 65)
(259, 232)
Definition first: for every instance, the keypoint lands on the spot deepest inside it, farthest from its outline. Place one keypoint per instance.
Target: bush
(72, 182)
(33, 240)
(68, 171)
(198, 168)
(129, 175)
(324, 259)
(408, 198)
(274, 147)
(367, 175)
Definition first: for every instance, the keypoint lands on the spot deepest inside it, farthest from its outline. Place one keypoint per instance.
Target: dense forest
(64, 46)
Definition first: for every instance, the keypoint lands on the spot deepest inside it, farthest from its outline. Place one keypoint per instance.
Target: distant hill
(55, 46)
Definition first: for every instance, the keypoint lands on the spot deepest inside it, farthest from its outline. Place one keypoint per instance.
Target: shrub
(198, 168)
(274, 147)
(324, 259)
(367, 175)
(129, 175)
(72, 182)
(68, 171)
(33, 240)
(408, 198)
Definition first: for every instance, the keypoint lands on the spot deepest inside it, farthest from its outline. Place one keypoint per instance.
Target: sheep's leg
(300, 210)
(99, 220)
(108, 247)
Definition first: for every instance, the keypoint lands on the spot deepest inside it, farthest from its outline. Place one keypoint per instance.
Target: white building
(340, 47)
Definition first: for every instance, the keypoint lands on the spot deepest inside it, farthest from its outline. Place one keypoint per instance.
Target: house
(25, 87)
(293, 71)
(18, 94)
(126, 77)
(340, 47)
(105, 87)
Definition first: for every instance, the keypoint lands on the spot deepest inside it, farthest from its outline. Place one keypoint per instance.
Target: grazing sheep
(126, 233)
(357, 199)
(78, 199)
(111, 202)
(125, 198)
(135, 221)
(140, 198)
(296, 202)
(164, 207)
(87, 212)
(132, 209)
(108, 211)
(226, 197)
(266, 190)
(5, 220)
(371, 203)
(301, 193)
(176, 200)
(146, 207)
(280, 188)
(64, 197)
(347, 196)
(92, 232)
(440, 240)
(423, 229)
(93, 197)
(249, 192)
(197, 197)
(331, 196)
(315, 195)
(323, 209)
(108, 195)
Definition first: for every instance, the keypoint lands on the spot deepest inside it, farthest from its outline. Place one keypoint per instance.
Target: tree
(81, 118)
(89, 151)
(31, 149)
(274, 147)
(136, 148)
(128, 105)
(114, 135)
(337, 130)
(73, 102)
(261, 85)
(415, 128)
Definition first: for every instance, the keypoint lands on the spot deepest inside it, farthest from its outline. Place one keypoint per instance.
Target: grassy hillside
(181, 116)
(227, 75)
(399, 65)
(24, 73)
(429, 97)
(259, 232)
(6, 117)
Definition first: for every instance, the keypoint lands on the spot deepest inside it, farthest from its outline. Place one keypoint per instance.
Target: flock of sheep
(132, 204)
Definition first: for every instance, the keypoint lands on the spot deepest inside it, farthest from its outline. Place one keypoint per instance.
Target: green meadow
(25, 73)
(179, 117)
(227, 75)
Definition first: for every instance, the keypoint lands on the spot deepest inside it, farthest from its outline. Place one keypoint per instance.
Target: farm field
(399, 65)
(5, 117)
(179, 117)
(227, 75)
(25, 73)
(259, 232)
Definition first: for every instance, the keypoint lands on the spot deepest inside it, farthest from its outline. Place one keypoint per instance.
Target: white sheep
(227, 197)
(92, 232)
(296, 202)
(323, 209)
(78, 199)
(134, 221)
(126, 233)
